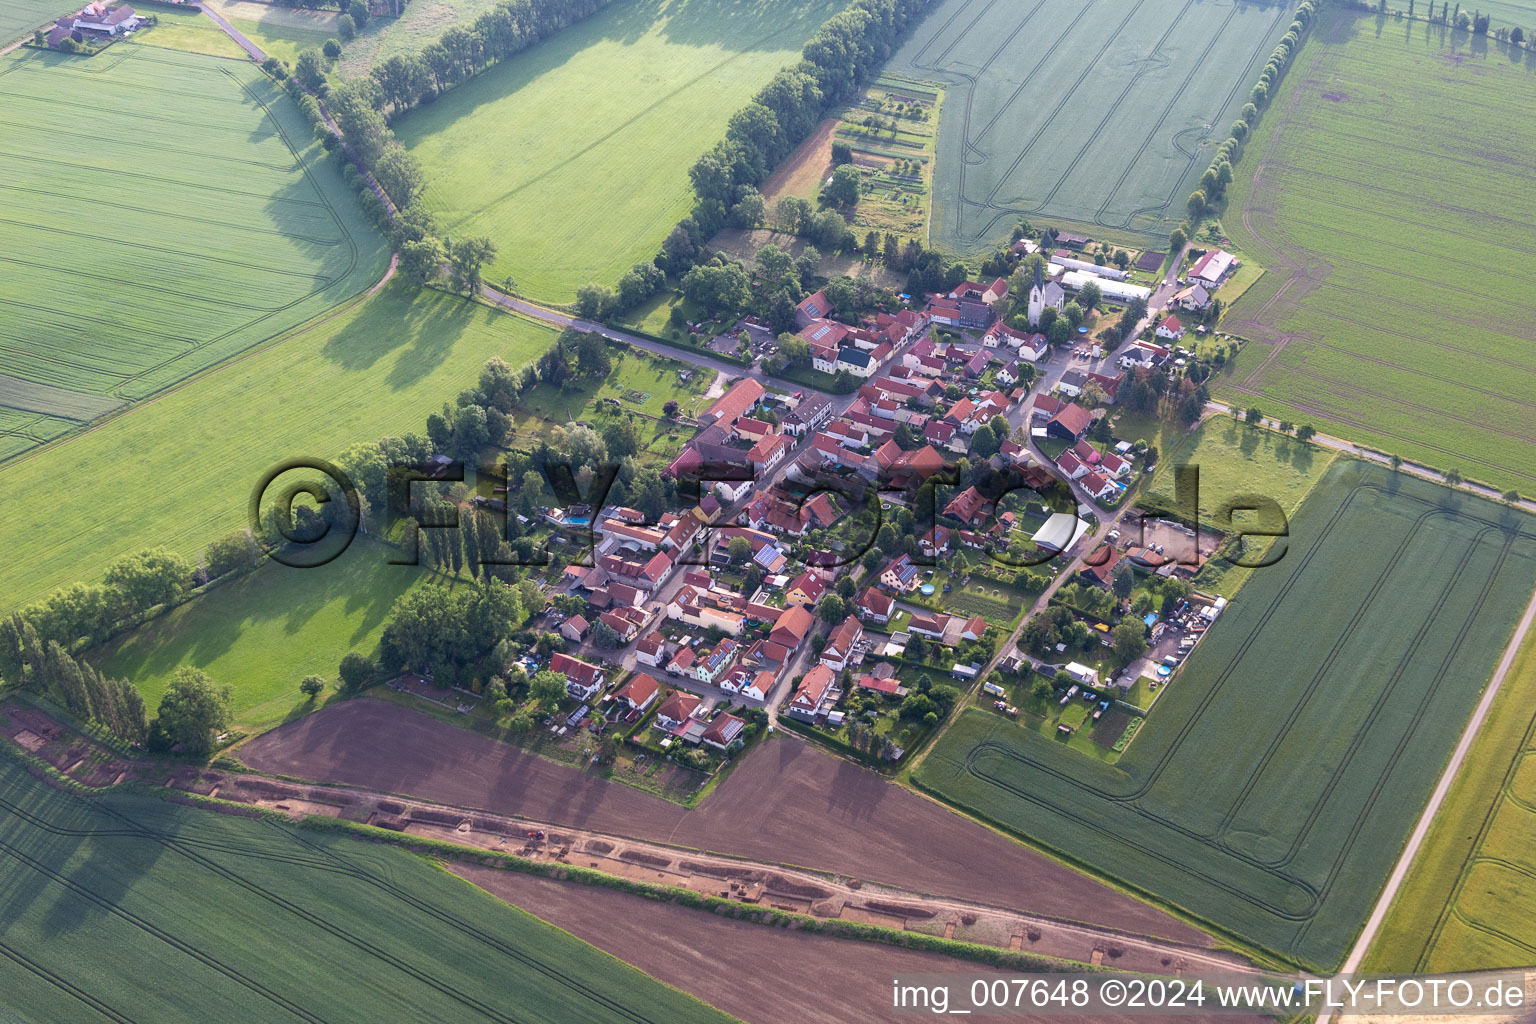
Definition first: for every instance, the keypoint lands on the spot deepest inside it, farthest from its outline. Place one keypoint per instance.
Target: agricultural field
(1262, 793)
(1465, 904)
(189, 220)
(1380, 191)
(265, 631)
(573, 157)
(124, 907)
(1098, 117)
(376, 369)
(891, 129)
(19, 17)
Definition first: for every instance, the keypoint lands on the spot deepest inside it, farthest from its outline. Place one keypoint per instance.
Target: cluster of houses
(94, 21)
(836, 347)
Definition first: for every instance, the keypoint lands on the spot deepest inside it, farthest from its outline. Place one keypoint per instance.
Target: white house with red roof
(1170, 328)
(839, 649)
(583, 680)
(811, 695)
(651, 650)
(875, 605)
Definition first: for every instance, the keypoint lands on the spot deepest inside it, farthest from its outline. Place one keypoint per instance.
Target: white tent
(1060, 532)
(1117, 291)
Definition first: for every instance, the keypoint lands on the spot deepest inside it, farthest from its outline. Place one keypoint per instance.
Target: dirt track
(761, 975)
(788, 803)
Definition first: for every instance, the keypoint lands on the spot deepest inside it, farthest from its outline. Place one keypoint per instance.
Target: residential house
(1170, 328)
(813, 413)
(1145, 354)
(582, 679)
(812, 308)
(638, 692)
(969, 507)
(574, 629)
(1193, 299)
(901, 575)
(933, 625)
(839, 649)
(1099, 486)
(791, 628)
(977, 365)
(935, 542)
(624, 625)
(974, 627)
(710, 665)
(682, 662)
(651, 650)
(1070, 423)
(805, 588)
(676, 711)
(768, 452)
(1099, 568)
(809, 698)
(875, 605)
(723, 731)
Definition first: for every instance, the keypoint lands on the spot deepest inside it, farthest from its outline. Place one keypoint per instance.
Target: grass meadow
(378, 368)
(124, 907)
(1466, 904)
(265, 631)
(1381, 191)
(1302, 737)
(573, 157)
(188, 29)
(187, 218)
(422, 22)
(1076, 115)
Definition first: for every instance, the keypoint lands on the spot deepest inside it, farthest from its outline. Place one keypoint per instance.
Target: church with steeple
(1044, 293)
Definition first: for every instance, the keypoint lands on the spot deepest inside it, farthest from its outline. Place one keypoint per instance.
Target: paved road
(245, 44)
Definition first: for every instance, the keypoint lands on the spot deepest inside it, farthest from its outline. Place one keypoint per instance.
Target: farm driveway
(786, 803)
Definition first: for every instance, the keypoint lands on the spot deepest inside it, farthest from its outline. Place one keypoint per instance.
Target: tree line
(833, 64)
(1213, 183)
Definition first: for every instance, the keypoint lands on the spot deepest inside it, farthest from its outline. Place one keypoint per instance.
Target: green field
(281, 41)
(1271, 790)
(1235, 459)
(123, 908)
(1466, 904)
(139, 480)
(1098, 116)
(264, 632)
(573, 157)
(1380, 192)
(188, 29)
(164, 211)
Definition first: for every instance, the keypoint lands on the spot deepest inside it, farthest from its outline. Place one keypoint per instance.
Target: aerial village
(854, 565)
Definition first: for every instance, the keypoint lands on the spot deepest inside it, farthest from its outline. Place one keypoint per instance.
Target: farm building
(1061, 259)
(1212, 267)
(1115, 291)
